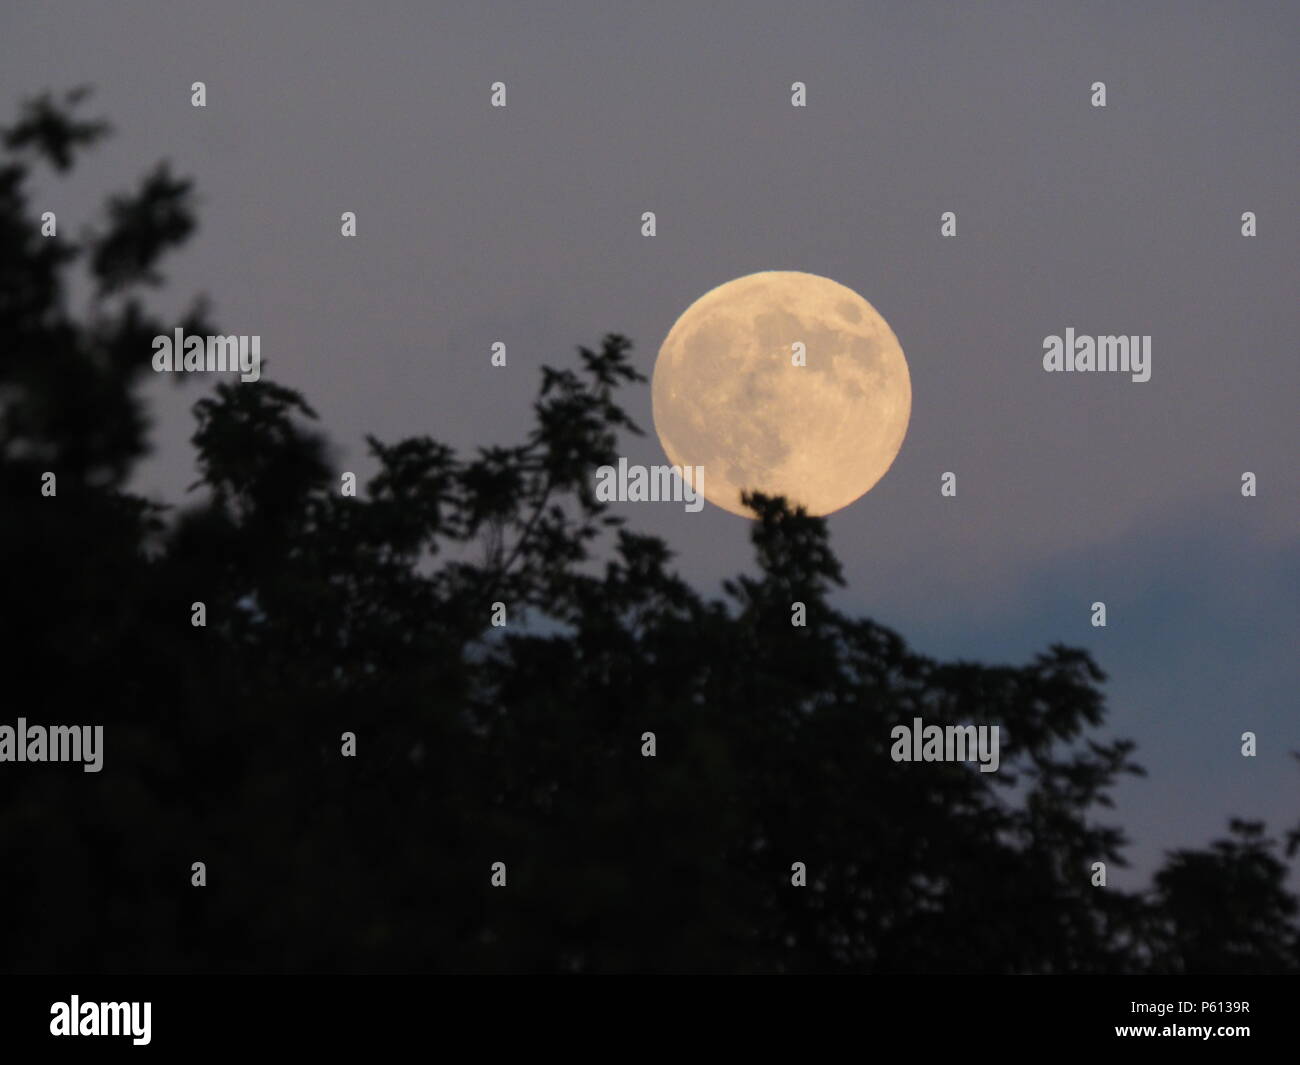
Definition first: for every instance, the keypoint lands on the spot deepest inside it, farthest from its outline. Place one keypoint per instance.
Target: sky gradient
(523, 225)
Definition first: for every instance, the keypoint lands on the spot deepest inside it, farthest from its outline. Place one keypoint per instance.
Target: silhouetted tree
(1226, 909)
(523, 745)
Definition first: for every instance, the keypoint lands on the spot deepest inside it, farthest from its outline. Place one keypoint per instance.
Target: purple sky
(523, 225)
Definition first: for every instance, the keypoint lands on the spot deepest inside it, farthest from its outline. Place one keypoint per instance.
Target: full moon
(785, 383)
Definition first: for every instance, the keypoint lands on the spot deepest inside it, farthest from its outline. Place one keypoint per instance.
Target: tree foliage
(371, 614)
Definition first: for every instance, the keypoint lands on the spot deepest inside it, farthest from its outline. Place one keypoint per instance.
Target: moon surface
(728, 394)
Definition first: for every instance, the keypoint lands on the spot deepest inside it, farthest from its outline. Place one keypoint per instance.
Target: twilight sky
(523, 225)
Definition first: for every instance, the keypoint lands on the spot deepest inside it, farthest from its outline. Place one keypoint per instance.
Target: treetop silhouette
(371, 615)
